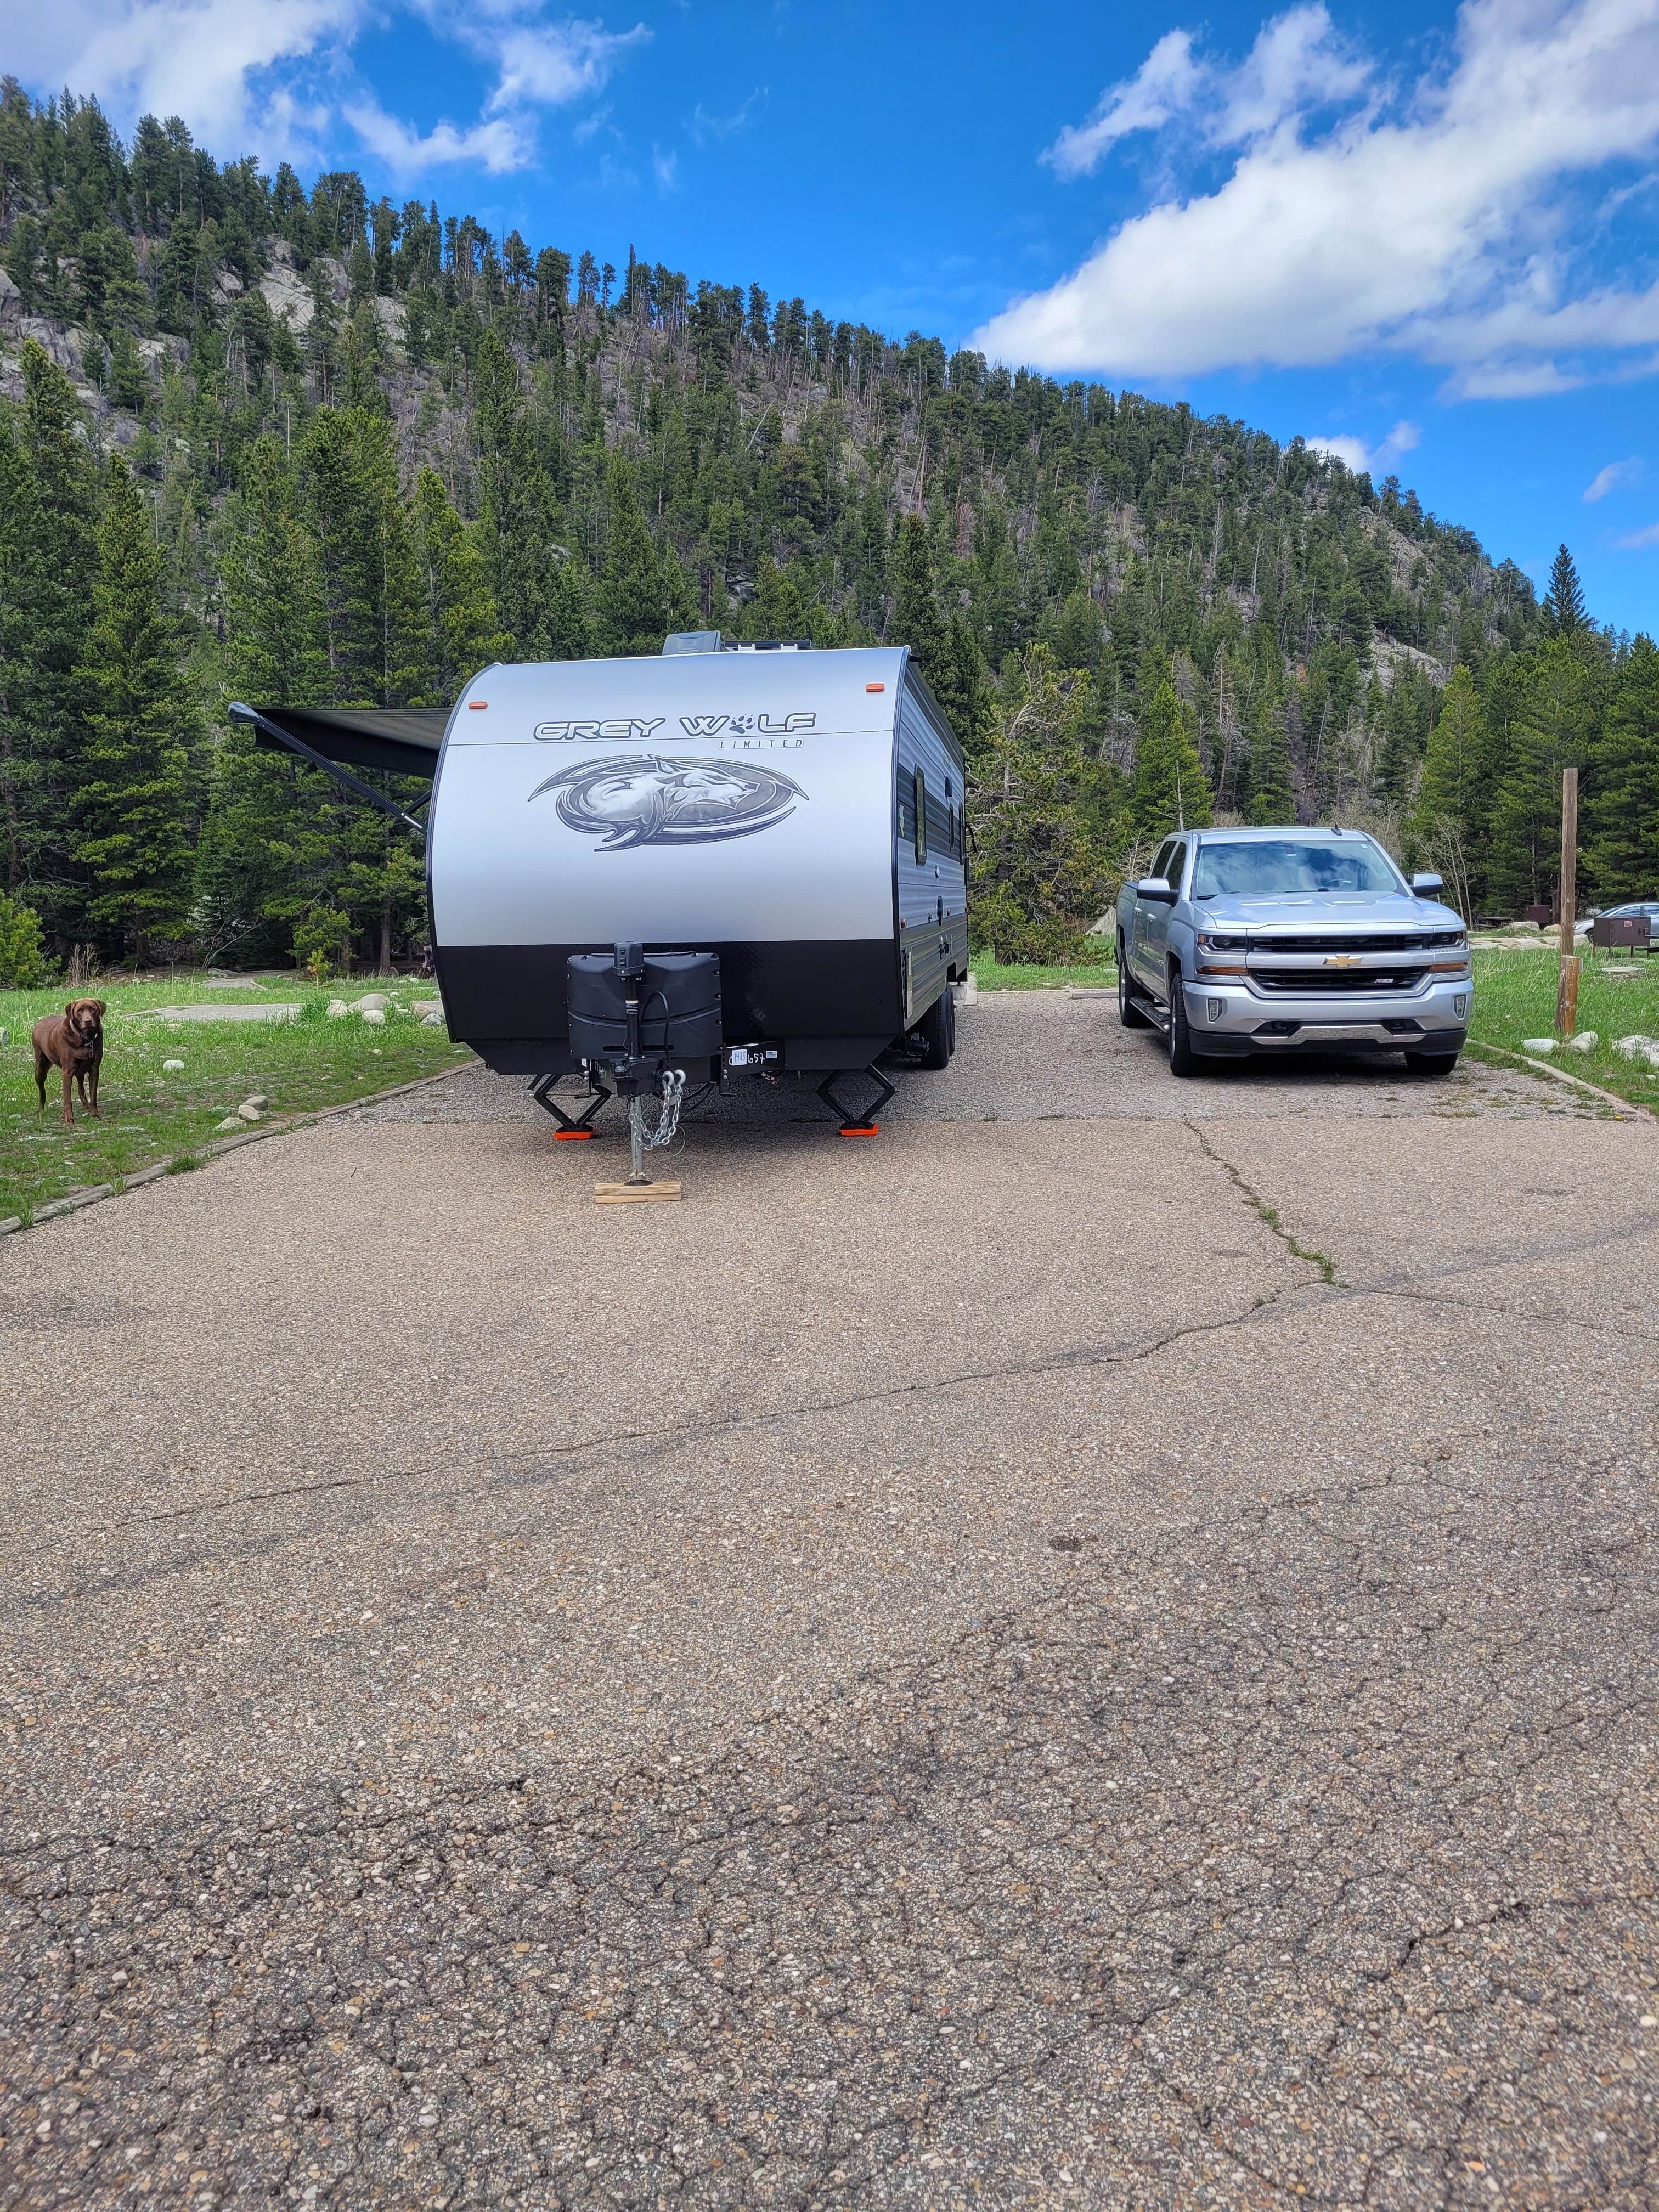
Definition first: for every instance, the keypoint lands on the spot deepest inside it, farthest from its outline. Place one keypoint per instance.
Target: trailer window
(921, 816)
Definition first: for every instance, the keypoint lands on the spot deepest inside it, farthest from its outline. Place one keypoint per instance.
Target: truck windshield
(1276, 867)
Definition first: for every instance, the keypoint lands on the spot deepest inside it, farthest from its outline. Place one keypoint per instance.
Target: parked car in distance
(1648, 907)
(1283, 940)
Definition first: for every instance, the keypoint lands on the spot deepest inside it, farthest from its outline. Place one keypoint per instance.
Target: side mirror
(1159, 891)
(1422, 885)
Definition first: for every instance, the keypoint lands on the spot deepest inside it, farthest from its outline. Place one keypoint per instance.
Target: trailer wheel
(937, 1030)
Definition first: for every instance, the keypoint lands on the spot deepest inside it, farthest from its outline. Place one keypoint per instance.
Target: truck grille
(1394, 943)
(1311, 981)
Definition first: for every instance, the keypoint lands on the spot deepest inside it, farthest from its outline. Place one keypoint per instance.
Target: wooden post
(1566, 989)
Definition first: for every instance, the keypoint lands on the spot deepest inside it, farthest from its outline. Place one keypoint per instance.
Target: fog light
(1215, 1008)
(1460, 1005)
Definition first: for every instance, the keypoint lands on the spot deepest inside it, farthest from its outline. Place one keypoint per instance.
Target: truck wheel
(935, 1030)
(1431, 1063)
(1183, 1060)
(1128, 1013)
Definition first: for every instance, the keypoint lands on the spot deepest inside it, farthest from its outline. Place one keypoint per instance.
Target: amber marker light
(875, 687)
(476, 706)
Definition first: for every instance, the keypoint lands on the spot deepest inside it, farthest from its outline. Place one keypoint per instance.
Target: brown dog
(74, 1042)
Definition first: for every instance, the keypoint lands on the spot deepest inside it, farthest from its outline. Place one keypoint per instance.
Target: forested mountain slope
(279, 443)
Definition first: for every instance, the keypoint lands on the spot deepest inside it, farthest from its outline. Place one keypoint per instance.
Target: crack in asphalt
(1267, 1214)
(622, 1988)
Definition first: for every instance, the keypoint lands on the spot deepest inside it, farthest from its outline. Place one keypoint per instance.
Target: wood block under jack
(630, 1194)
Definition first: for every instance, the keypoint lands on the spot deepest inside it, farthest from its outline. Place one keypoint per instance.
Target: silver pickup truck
(1245, 941)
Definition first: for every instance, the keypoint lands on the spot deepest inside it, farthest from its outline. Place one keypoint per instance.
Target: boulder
(373, 1016)
(338, 1009)
(373, 1002)
(173, 1067)
(1638, 1048)
(1538, 1044)
(257, 1099)
(249, 1114)
(1586, 1041)
(231, 1121)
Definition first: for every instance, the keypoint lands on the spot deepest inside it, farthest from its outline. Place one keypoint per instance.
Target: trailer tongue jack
(636, 1019)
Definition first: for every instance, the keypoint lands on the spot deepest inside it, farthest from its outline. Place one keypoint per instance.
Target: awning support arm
(344, 776)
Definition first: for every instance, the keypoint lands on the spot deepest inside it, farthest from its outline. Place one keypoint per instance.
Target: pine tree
(48, 558)
(635, 614)
(779, 608)
(1169, 790)
(569, 631)
(1564, 610)
(276, 652)
(1455, 763)
(1271, 788)
(460, 609)
(1622, 815)
(516, 525)
(132, 836)
(1039, 880)
(963, 686)
(916, 620)
(379, 648)
(1554, 724)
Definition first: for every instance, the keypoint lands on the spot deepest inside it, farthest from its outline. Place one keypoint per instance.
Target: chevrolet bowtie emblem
(1342, 960)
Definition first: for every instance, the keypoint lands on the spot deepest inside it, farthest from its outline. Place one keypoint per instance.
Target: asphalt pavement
(1097, 1649)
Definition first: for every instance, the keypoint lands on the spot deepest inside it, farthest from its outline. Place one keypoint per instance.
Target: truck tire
(937, 1030)
(1431, 1063)
(1128, 1013)
(1183, 1060)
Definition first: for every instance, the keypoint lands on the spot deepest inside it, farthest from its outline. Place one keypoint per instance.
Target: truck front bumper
(1229, 1019)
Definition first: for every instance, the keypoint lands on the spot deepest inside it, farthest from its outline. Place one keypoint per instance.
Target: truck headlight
(1212, 943)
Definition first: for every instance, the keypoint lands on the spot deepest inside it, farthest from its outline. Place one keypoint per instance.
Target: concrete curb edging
(57, 1208)
(1542, 1067)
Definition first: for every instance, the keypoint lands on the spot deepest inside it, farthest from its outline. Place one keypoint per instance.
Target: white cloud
(1428, 218)
(703, 126)
(1639, 539)
(1609, 479)
(548, 66)
(1164, 87)
(190, 57)
(1371, 460)
(284, 69)
(497, 145)
(666, 167)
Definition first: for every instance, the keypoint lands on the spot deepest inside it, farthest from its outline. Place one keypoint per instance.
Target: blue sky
(1423, 235)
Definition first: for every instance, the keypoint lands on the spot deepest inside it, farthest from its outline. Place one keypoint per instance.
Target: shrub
(321, 942)
(23, 962)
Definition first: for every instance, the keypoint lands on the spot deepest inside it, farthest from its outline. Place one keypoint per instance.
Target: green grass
(994, 976)
(149, 1117)
(1514, 999)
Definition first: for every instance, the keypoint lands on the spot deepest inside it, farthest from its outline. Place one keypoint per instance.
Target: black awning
(402, 740)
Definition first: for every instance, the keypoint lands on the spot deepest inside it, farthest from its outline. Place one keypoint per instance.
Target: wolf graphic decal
(652, 798)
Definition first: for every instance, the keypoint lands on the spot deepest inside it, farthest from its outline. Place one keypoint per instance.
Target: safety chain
(668, 1120)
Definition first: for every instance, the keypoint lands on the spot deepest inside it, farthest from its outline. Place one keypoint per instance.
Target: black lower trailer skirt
(832, 1003)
